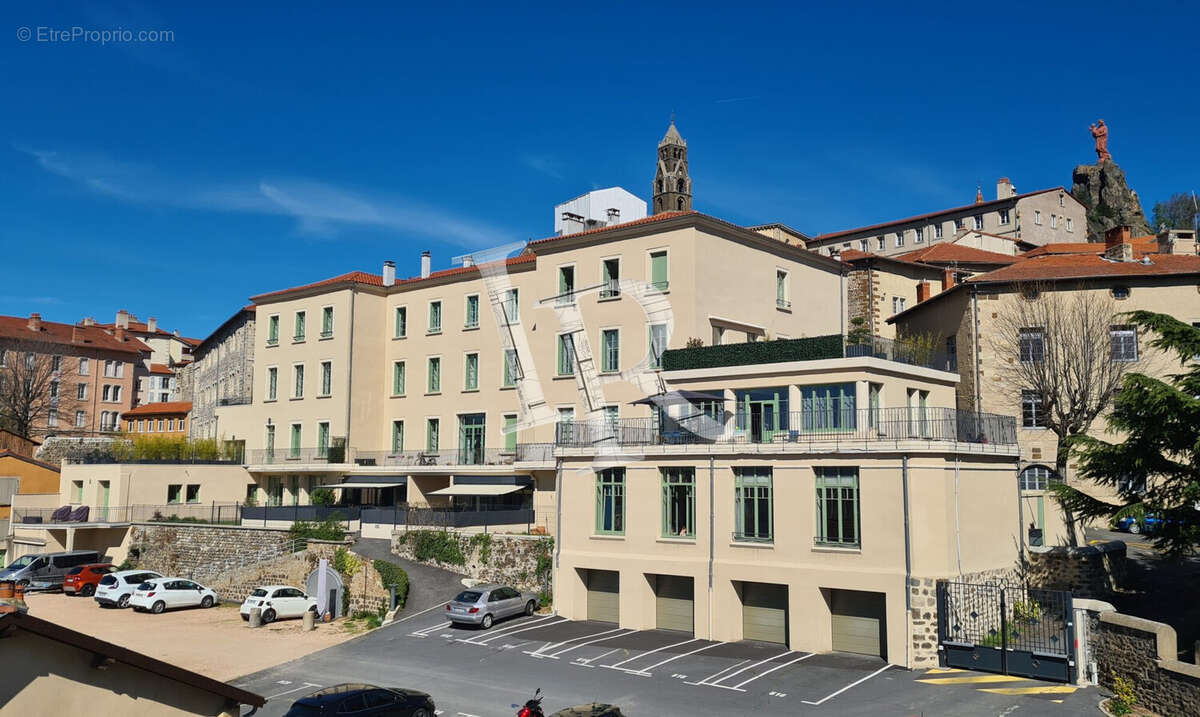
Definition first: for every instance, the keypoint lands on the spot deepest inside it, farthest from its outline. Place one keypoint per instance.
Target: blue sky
(269, 147)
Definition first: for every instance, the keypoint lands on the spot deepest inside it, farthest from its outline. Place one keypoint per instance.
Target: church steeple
(672, 190)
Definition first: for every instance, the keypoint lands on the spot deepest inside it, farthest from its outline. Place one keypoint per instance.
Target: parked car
(117, 588)
(485, 604)
(47, 568)
(158, 594)
(82, 580)
(276, 601)
(1148, 524)
(364, 700)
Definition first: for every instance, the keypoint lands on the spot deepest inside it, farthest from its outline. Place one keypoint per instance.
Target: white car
(278, 601)
(158, 594)
(115, 589)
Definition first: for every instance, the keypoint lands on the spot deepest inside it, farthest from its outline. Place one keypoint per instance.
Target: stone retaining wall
(1144, 652)
(1094, 571)
(180, 549)
(923, 614)
(493, 557)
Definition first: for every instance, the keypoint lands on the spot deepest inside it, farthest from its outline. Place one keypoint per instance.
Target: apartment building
(1037, 218)
(445, 388)
(88, 373)
(25, 481)
(161, 418)
(1160, 274)
(221, 378)
(792, 501)
(598, 208)
(882, 286)
(155, 376)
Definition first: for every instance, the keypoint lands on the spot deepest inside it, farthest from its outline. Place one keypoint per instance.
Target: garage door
(604, 593)
(764, 612)
(858, 622)
(673, 603)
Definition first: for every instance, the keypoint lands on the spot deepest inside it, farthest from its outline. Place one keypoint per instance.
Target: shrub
(1123, 698)
(328, 529)
(545, 599)
(1027, 611)
(694, 342)
(545, 560)
(758, 352)
(391, 574)
(436, 545)
(482, 542)
(322, 496)
(346, 562)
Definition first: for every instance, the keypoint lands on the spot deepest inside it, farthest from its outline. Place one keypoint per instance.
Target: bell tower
(672, 190)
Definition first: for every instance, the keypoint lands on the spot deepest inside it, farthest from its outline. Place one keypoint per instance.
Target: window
(658, 344)
(298, 375)
(76, 491)
(938, 231)
(4, 358)
(511, 368)
(959, 224)
(679, 502)
(160, 425)
(1070, 228)
(472, 319)
(326, 378)
(52, 418)
(1129, 484)
(610, 501)
(432, 427)
(1120, 292)
(1037, 217)
(918, 235)
(1036, 478)
(398, 378)
(611, 278)
(837, 506)
(1053, 221)
(510, 432)
(272, 383)
(401, 329)
(612, 415)
(1124, 343)
(434, 375)
(879, 243)
(952, 352)
(193, 493)
(874, 401)
(141, 425)
(659, 271)
(298, 333)
(116, 394)
(898, 303)
(1032, 344)
(56, 364)
(610, 345)
(323, 439)
(471, 372)
(170, 424)
(174, 491)
(512, 306)
(1004, 216)
(397, 436)
(827, 407)
(864, 245)
(106, 393)
(566, 285)
(900, 238)
(273, 330)
(978, 221)
(1032, 415)
(80, 419)
(754, 513)
(270, 443)
(53, 390)
(326, 322)
(295, 444)
(435, 317)
(566, 424)
(566, 355)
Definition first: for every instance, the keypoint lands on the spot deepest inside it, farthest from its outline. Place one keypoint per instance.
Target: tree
(1178, 212)
(1056, 363)
(1156, 468)
(31, 398)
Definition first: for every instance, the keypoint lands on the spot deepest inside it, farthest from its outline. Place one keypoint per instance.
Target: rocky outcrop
(1109, 200)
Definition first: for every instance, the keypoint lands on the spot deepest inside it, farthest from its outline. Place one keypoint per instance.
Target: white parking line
(727, 669)
(555, 655)
(294, 689)
(506, 633)
(776, 667)
(852, 684)
(551, 646)
(427, 631)
(589, 660)
(714, 683)
(409, 617)
(651, 652)
(646, 670)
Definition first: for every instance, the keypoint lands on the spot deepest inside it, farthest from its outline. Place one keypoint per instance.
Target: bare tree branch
(32, 397)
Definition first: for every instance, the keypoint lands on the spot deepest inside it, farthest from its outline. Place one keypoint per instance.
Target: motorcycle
(533, 707)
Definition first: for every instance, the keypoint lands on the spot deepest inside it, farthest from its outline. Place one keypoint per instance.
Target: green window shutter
(398, 378)
(397, 436)
(327, 321)
(431, 434)
(435, 375)
(510, 433)
(658, 270)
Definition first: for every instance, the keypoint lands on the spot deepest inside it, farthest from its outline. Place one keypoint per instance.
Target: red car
(82, 580)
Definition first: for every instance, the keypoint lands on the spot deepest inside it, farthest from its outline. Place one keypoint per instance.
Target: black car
(364, 700)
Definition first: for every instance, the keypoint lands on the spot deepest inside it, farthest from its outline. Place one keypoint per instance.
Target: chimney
(1176, 241)
(35, 322)
(947, 279)
(120, 334)
(389, 273)
(89, 321)
(152, 324)
(1004, 188)
(76, 336)
(614, 216)
(468, 261)
(1118, 243)
(572, 223)
(426, 264)
(923, 290)
(122, 319)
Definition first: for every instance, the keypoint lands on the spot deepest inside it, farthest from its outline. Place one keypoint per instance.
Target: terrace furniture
(60, 514)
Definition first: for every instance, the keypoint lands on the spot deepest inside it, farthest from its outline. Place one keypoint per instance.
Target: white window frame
(332, 320)
(466, 316)
(395, 320)
(604, 349)
(298, 378)
(326, 371)
(1037, 217)
(1005, 217)
(938, 231)
(272, 392)
(429, 330)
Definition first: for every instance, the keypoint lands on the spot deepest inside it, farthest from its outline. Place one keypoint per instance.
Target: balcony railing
(798, 427)
(195, 512)
(813, 348)
(611, 290)
(447, 518)
(285, 456)
(473, 456)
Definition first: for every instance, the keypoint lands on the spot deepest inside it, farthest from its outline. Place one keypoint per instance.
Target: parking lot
(475, 673)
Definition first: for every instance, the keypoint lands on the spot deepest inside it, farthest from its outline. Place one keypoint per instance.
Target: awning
(478, 490)
(361, 485)
(675, 398)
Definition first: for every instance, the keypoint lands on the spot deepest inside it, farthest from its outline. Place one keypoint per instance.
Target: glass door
(471, 439)
(102, 513)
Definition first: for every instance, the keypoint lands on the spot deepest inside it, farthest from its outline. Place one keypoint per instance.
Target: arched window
(660, 186)
(1037, 478)
(679, 203)
(681, 186)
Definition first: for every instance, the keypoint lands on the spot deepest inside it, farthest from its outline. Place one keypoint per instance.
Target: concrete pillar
(309, 620)
(255, 617)
(70, 539)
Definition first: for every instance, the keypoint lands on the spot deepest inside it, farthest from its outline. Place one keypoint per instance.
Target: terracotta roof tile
(1084, 266)
(636, 222)
(93, 337)
(31, 461)
(1140, 245)
(944, 252)
(162, 368)
(155, 409)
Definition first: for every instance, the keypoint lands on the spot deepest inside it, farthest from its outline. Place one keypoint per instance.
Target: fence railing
(210, 513)
(288, 455)
(462, 456)
(864, 424)
(124, 454)
(446, 518)
(917, 353)
(293, 513)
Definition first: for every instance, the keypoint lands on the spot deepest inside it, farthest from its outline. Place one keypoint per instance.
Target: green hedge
(758, 352)
(392, 574)
(438, 545)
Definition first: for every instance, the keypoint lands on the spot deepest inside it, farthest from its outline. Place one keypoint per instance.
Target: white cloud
(541, 163)
(319, 208)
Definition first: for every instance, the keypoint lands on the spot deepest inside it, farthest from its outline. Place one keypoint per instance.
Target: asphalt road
(428, 586)
(473, 673)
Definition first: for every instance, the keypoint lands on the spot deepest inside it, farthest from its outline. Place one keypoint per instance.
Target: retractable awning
(355, 484)
(468, 489)
(674, 398)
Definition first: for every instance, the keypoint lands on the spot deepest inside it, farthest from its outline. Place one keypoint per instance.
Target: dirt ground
(214, 642)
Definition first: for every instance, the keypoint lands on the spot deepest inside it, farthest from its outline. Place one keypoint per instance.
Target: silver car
(485, 604)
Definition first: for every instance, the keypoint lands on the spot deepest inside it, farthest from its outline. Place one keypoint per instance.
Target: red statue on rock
(1100, 132)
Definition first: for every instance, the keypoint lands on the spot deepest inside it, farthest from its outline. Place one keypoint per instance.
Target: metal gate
(1010, 630)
